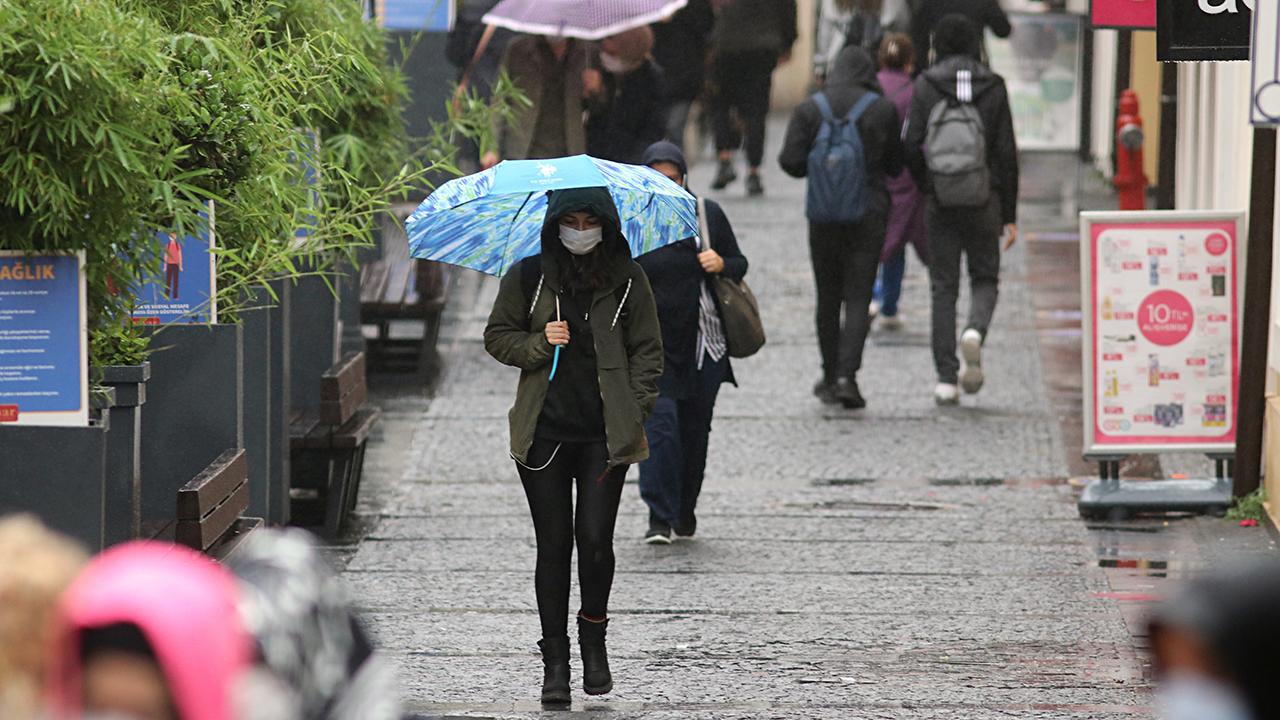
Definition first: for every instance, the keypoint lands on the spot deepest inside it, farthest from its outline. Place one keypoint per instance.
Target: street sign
(1265, 66)
(1161, 318)
(1123, 14)
(429, 15)
(1203, 29)
(44, 349)
(184, 291)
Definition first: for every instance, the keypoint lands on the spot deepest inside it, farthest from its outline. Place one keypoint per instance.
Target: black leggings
(550, 494)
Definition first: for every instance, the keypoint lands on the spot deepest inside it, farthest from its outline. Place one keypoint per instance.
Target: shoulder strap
(531, 280)
(861, 106)
(704, 228)
(820, 99)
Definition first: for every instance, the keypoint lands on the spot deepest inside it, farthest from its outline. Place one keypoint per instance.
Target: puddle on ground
(1142, 566)
(957, 482)
(842, 482)
(871, 505)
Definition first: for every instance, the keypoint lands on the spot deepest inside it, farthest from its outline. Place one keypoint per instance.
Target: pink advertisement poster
(1135, 14)
(1162, 346)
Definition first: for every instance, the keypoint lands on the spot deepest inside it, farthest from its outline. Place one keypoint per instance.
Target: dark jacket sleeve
(1004, 158)
(996, 19)
(644, 343)
(724, 242)
(801, 131)
(887, 126)
(508, 337)
(787, 24)
(913, 140)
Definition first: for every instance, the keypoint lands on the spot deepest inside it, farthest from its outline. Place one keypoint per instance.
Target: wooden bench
(211, 505)
(403, 289)
(327, 444)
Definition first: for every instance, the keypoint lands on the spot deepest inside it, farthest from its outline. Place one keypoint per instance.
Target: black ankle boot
(596, 679)
(555, 674)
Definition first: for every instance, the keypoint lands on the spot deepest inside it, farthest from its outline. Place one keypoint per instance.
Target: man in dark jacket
(695, 360)
(680, 49)
(846, 256)
(959, 77)
(982, 13)
(751, 38)
(626, 98)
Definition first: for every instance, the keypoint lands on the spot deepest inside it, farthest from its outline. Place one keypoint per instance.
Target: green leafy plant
(1250, 507)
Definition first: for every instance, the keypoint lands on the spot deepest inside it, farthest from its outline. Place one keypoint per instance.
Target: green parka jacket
(628, 340)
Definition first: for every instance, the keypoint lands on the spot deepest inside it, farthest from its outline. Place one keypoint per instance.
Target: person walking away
(982, 13)
(585, 295)
(477, 66)
(841, 23)
(550, 73)
(962, 153)
(626, 98)
(695, 359)
(906, 210)
(680, 49)
(751, 38)
(844, 139)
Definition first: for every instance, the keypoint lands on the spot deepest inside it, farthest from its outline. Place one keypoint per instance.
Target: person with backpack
(928, 13)
(585, 426)
(845, 140)
(961, 150)
(696, 358)
(906, 215)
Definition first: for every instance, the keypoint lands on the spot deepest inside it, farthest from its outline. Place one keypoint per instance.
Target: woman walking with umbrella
(579, 321)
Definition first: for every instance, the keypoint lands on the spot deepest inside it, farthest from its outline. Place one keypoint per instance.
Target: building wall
(793, 81)
(1145, 81)
(1105, 50)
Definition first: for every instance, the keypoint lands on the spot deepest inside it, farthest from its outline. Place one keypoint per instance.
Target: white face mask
(616, 65)
(580, 242)
(1191, 696)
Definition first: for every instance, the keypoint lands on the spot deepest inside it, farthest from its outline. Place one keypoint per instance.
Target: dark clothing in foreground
(573, 410)
(557, 526)
(982, 13)
(751, 25)
(845, 259)
(975, 232)
(680, 49)
(742, 85)
(629, 115)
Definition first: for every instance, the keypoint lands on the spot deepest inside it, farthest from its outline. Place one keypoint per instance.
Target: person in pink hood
(149, 631)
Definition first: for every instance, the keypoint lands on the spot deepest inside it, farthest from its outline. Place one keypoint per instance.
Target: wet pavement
(904, 561)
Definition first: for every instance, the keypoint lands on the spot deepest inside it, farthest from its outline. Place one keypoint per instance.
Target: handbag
(739, 311)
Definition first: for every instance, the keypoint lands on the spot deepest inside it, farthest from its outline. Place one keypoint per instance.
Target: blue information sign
(183, 290)
(429, 15)
(43, 349)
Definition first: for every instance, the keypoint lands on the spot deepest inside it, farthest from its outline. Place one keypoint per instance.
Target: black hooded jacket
(988, 93)
(852, 76)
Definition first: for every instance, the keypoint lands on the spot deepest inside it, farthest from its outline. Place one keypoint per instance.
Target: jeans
(845, 258)
(889, 285)
(677, 120)
(557, 526)
(975, 233)
(743, 82)
(679, 431)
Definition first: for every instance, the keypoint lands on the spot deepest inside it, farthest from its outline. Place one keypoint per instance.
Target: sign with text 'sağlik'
(183, 292)
(1189, 30)
(44, 350)
(1160, 298)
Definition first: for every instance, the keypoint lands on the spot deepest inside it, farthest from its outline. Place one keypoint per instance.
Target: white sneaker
(971, 377)
(873, 310)
(946, 394)
(891, 323)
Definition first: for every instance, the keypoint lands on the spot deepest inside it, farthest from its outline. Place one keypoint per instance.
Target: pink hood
(185, 605)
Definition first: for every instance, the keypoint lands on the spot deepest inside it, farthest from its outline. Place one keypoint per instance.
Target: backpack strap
(861, 106)
(824, 107)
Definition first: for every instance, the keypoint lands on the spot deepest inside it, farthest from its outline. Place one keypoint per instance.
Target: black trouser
(550, 494)
(845, 259)
(975, 232)
(743, 82)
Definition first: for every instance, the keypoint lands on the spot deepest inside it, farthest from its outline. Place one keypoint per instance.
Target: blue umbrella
(491, 220)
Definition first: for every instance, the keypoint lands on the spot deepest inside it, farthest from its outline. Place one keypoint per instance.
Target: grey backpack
(955, 150)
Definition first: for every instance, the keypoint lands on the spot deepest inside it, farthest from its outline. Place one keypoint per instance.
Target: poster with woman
(182, 291)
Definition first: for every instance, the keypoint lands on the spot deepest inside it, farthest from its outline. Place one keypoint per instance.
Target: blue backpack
(838, 189)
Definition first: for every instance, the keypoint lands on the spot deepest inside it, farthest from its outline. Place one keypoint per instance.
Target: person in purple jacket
(906, 212)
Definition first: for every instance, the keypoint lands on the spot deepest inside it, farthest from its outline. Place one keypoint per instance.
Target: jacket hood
(186, 607)
(853, 67)
(665, 151)
(962, 78)
(598, 202)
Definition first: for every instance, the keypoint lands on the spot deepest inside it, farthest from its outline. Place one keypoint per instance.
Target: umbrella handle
(555, 359)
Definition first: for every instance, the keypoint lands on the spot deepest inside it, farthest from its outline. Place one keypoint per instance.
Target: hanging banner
(429, 15)
(1264, 66)
(183, 292)
(1160, 301)
(1190, 30)
(1040, 63)
(44, 347)
(1123, 14)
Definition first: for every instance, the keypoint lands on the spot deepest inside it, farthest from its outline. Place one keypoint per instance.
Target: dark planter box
(59, 474)
(267, 400)
(282, 392)
(123, 513)
(314, 338)
(195, 411)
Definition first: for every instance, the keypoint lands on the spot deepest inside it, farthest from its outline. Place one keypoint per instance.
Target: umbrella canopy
(584, 19)
(492, 219)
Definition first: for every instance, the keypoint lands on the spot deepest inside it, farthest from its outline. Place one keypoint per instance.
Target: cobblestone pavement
(904, 561)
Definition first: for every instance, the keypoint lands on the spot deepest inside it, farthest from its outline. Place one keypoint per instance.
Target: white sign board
(1264, 64)
(1160, 301)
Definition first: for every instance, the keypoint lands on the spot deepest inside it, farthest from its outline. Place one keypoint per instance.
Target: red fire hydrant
(1130, 180)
